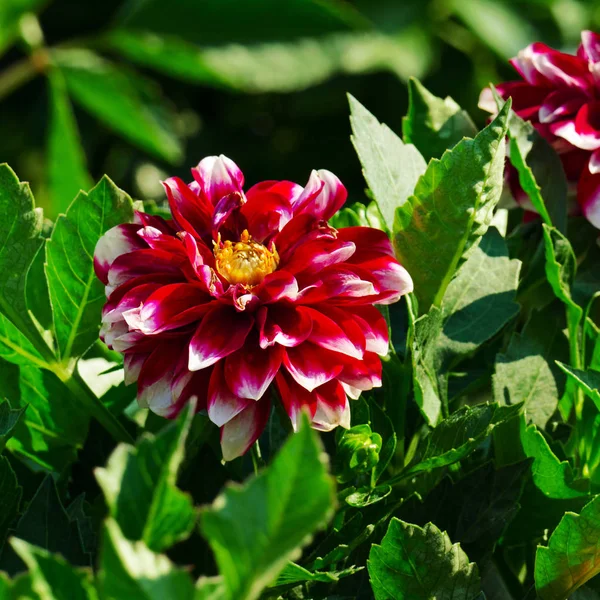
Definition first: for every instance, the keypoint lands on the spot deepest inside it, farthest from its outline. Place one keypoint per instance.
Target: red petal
(362, 374)
(318, 254)
(192, 212)
(333, 408)
(218, 176)
(295, 398)
(266, 213)
(223, 404)
(284, 325)
(244, 429)
(312, 366)
(323, 196)
(117, 241)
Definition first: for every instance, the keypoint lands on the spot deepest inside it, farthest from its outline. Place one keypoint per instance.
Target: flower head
(560, 94)
(242, 291)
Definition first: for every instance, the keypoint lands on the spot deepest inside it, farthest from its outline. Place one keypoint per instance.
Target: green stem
(17, 75)
(257, 461)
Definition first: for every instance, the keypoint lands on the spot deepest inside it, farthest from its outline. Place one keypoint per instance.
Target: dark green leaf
(139, 486)
(413, 563)
(9, 418)
(10, 498)
(452, 207)
(294, 573)
(76, 293)
(434, 124)
(391, 167)
(365, 496)
(20, 230)
(256, 528)
(130, 570)
(52, 577)
(572, 556)
(123, 101)
(525, 372)
(67, 172)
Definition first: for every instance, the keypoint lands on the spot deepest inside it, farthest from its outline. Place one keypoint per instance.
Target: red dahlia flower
(560, 95)
(240, 291)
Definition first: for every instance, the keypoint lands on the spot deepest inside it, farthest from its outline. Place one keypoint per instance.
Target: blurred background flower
(136, 88)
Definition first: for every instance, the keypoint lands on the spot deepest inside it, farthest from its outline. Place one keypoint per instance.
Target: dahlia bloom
(560, 95)
(242, 291)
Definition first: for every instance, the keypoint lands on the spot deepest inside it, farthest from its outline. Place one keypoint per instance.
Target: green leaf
(294, 574)
(588, 381)
(413, 563)
(67, 172)
(11, 12)
(255, 529)
(391, 167)
(124, 101)
(458, 435)
(130, 570)
(15, 347)
(434, 124)
(553, 477)
(46, 524)
(55, 424)
(20, 230)
(139, 486)
(452, 207)
(76, 294)
(10, 498)
(210, 588)
(53, 578)
(541, 174)
(525, 372)
(9, 418)
(572, 556)
(206, 22)
(365, 496)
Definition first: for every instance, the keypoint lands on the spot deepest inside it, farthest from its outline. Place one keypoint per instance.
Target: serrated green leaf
(20, 231)
(46, 524)
(459, 434)
(130, 570)
(572, 556)
(413, 563)
(10, 497)
(391, 167)
(9, 418)
(139, 486)
(76, 294)
(434, 124)
(588, 381)
(55, 425)
(256, 528)
(525, 372)
(293, 573)
(67, 173)
(53, 578)
(452, 207)
(553, 477)
(541, 174)
(124, 101)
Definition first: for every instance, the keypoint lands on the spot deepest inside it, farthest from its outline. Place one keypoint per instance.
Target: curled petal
(362, 374)
(300, 230)
(191, 387)
(590, 47)
(375, 328)
(279, 285)
(391, 278)
(561, 104)
(583, 131)
(132, 365)
(295, 398)
(266, 214)
(221, 332)
(286, 190)
(322, 197)
(238, 434)
(312, 366)
(227, 216)
(333, 408)
(250, 370)
(317, 255)
(191, 211)
(284, 325)
(222, 403)
(338, 284)
(218, 176)
(117, 241)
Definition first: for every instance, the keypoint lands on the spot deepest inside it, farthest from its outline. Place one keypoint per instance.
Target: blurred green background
(143, 89)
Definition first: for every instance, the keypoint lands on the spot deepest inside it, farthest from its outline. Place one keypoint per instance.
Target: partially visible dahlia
(560, 95)
(244, 290)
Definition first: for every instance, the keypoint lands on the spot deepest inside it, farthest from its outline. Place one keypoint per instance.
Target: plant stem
(257, 461)
(17, 75)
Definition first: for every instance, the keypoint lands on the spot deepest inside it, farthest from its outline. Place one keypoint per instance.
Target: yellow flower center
(245, 261)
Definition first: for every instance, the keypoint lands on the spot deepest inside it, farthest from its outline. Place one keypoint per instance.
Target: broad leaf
(67, 172)
(391, 167)
(452, 207)
(10, 498)
(20, 229)
(124, 101)
(53, 578)
(572, 556)
(256, 528)
(413, 563)
(9, 418)
(55, 424)
(139, 486)
(434, 124)
(553, 477)
(588, 381)
(46, 524)
(15, 347)
(458, 435)
(76, 293)
(525, 373)
(130, 570)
